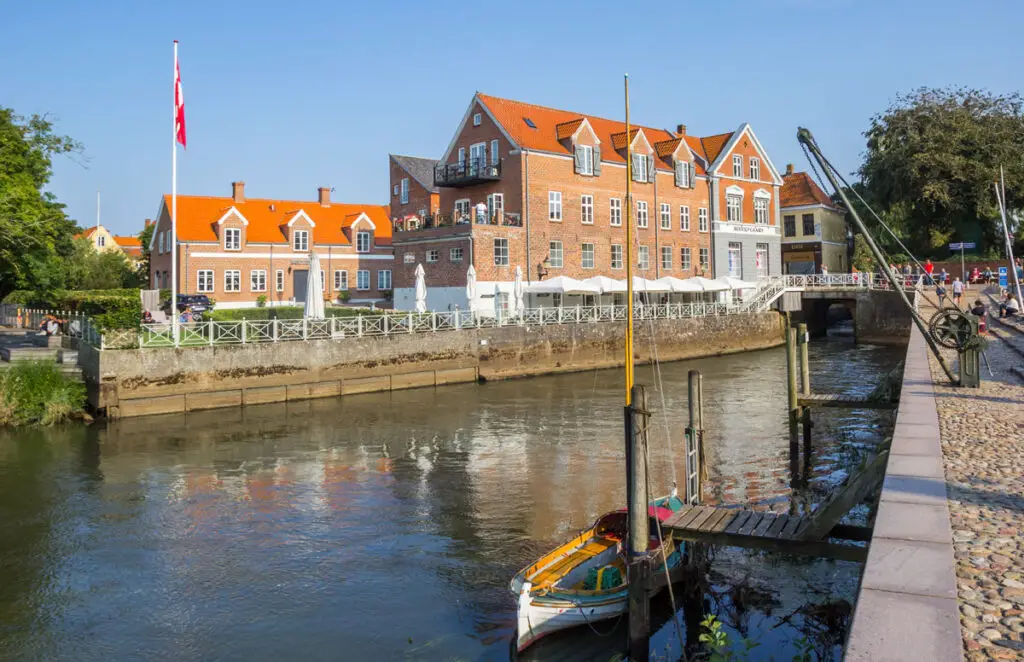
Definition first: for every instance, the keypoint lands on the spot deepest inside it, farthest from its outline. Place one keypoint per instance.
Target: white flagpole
(174, 195)
(1006, 233)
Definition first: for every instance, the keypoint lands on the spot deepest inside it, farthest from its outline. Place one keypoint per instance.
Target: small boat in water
(584, 580)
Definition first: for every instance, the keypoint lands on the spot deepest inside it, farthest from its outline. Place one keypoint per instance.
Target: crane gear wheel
(951, 328)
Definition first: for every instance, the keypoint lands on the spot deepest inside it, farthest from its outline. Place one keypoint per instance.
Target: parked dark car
(199, 303)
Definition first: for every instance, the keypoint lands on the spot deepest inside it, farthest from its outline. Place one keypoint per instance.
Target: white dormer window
(300, 240)
(363, 242)
(585, 159)
(639, 168)
(404, 191)
(476, 119)
(755, 167)
(232, 239)
(101, 241)
(737, 165)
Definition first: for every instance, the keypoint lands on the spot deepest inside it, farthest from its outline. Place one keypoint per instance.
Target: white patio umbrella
(736, 283)
(678, 285)
(471, 287)
(605, 284)
(421, 289)
(314, 308)
(562, 285)
(518, 305)
(708, 285)
(648, 285)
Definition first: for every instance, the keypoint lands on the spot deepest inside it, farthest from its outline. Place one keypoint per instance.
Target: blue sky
(290, 96)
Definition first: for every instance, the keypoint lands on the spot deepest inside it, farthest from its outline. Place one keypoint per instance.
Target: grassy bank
(37, 393)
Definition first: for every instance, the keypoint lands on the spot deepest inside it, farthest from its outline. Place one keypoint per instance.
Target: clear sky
(288, 96)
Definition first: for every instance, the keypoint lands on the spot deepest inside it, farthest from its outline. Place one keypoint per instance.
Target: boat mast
(629, 254)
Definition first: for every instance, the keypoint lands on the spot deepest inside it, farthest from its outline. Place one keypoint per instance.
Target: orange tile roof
(566, 129)
(512, 115)
(86, 233)
(798, 189)
(697, 146)
(268, 219)
(667, 147)
(713, 145)
(124, 241)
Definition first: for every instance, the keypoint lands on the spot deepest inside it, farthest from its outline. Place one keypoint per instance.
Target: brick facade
(421, 199)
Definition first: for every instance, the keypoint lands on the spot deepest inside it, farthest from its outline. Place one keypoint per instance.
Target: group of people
(51, 325)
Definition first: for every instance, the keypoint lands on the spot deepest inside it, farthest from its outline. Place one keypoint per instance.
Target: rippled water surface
(387, 526)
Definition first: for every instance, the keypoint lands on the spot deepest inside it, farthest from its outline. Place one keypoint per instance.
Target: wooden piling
(805, 367)
(638, 570)
(695, 440)
(792, 406)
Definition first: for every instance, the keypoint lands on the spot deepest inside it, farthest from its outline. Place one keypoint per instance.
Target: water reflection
(385, 525)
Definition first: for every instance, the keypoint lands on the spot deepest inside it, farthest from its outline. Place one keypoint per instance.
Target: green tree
(145, 237)
(89, 269)
(932, 159)
(35, 233)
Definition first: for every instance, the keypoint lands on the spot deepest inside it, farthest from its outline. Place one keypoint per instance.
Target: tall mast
(629, 254)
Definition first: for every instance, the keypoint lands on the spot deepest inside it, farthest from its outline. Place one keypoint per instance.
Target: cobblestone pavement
(983, 447)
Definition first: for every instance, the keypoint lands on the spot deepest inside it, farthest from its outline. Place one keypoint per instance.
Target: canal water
(387, 526)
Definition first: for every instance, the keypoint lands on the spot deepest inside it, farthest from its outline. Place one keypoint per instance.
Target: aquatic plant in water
(36, 392)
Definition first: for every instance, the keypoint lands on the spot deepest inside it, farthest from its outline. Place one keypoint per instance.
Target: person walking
(940, 292)
(928, 269)
(958, 291)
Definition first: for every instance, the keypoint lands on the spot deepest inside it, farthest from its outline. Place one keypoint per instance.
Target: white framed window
(761, 260)
(462, 211)
(396, 189)
(455, 255)
(702, 219)
(641, 213)
(500, 252)
(101, 241)
(494, 152)
(587, 209)
(554, 205)
(476, 119)
(737, 165)
(159, 243)
(639, 167)
(666, 216)
(584, 160)
(496, 208)
(300, 240)
(363, 279)
(233, 239)
(755, 167)
(666, 257)
(761, 211)
(384, 279)
(705, 259)
(258, 280)
(684, 258)
(340, 279)
(279, 280)
(404, 189)
(735, 256)
(204, 280)
(363, 242)
(433, 255)
(734, 208)
(477, 156)
(555, 257)
(684, 218)
(232, 280)
(643, 258)
(587, 256)
(616, 256)
(462, 155)
(683, 173)
(615, 211)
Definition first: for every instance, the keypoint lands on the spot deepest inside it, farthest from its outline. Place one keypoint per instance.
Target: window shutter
(693, 175)
(679, 173)
(650, 167)
(578, 160)
(597, 160)
(636, 170)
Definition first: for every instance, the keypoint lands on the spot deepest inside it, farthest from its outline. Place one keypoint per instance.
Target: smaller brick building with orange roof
(236, 249)
(814, 229)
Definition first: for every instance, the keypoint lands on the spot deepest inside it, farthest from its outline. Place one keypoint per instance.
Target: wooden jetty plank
(766, 523)
(750, 524)
(791, 526)
(700, 519)
(720, 521)
(776, 529)
(720, 513)
(738, 521)
(683, 517)
(841, 400)
(817, 548)
(853, 492)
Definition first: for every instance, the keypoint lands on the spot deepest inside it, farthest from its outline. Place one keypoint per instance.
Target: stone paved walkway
(983, 447)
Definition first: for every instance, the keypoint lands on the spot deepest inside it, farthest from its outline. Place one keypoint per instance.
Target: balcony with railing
(466, 173)
(460, 221)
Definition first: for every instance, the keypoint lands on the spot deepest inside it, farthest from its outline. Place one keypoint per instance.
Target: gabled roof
(799, 190)
(86, 233)
(667, 147)
(268, 219)
(512, 116)
(730, 140)
(567, 129)
(125, 242)
(713, 145)
(422, 170)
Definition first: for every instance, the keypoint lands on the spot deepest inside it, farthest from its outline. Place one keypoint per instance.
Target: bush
(280, 312)
(36, 392)
(261, 301)
(110, 309)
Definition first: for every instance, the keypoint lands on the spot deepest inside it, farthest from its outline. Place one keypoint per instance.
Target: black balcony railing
(466, 173)
(451, 220)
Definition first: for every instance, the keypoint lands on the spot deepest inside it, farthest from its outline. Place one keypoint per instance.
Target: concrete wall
(138, 382)
(878, 316)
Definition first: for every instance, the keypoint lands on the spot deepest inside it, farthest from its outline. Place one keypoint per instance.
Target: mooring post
(694, 440)
(805, 367)
(636, 494)
(792, 406)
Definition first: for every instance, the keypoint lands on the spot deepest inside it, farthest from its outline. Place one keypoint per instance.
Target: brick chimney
(238, 191)
(324, 196)
(149, 222)
(789, 168)
(681, 129)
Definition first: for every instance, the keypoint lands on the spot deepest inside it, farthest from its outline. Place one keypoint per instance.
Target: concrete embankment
(139, 382)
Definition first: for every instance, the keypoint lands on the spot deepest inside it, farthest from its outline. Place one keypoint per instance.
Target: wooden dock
(846, 401)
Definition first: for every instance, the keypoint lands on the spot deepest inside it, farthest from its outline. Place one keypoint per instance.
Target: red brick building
(236, 249)
(544, 189)
(413, 192)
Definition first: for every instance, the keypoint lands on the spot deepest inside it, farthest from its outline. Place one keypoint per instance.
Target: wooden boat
(584, 580)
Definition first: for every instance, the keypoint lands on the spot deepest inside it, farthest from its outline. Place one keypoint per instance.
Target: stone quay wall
(138, 382)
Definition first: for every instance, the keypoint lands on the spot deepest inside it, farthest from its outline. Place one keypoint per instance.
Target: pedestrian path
(982, 432)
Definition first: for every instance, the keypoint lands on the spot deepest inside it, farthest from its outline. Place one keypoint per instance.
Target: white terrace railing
(394, 323)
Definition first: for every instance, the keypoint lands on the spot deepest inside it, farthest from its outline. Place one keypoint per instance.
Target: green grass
(37, 393)
(280, 312)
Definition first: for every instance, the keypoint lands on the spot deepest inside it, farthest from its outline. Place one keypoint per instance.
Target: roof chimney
(681, 129)
(789, 168)
(324, 196)
(149, 222)
(238, 191)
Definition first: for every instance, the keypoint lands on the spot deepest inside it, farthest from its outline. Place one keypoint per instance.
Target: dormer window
(363, 242)
(587, 160)
(737, 165)
(300, 240)
(685, 174)
(640, 167)
(232, 239)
